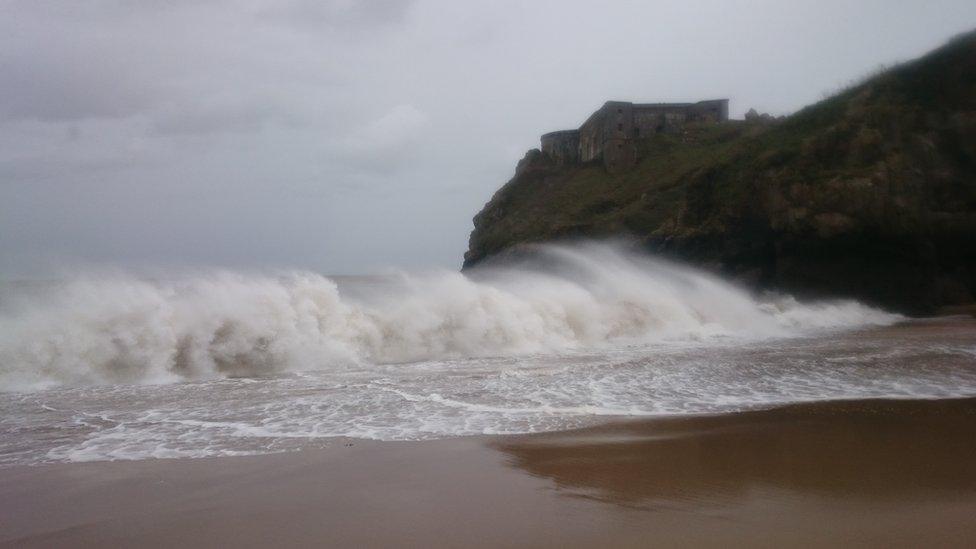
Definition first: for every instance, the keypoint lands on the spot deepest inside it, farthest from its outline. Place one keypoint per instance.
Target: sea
(109, 364)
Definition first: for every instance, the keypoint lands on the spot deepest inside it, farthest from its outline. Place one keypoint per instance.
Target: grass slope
(870, 193)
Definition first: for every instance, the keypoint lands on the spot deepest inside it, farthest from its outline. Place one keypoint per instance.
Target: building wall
(654, 119)
(591, 136)
(562, 146)
(619, 152)
(716, 110)
(610, 133)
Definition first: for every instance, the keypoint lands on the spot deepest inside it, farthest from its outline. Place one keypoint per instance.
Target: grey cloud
(113, 59)
(59, 86)
(385, 143)
(336, 14)
(347, 135)
(199, 119)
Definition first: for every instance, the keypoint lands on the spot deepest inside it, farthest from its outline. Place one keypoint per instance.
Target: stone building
(611, 133)
(562, 146)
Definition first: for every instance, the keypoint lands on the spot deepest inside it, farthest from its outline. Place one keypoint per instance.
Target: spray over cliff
(869, 194)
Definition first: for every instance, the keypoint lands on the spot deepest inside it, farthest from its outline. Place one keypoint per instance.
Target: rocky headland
(869, 194)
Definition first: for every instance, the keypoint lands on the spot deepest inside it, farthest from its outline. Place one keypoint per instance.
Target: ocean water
(112, 365)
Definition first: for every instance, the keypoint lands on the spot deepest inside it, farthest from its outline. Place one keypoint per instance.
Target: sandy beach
(864, 473)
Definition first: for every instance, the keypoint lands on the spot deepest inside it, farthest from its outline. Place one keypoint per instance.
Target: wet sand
(867, 473)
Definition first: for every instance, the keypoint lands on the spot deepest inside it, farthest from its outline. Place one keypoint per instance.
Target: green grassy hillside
(870, 193)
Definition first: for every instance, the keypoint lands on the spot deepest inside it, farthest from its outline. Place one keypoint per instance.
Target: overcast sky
(349, 136)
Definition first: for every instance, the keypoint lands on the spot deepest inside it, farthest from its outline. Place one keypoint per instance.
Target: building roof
(560, 132)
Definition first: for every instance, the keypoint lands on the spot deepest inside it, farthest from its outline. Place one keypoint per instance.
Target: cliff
(868, 194)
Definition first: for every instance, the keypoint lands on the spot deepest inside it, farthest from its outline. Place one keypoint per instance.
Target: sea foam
(100, 328)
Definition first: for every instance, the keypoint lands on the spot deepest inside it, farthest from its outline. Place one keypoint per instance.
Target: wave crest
(122, 328)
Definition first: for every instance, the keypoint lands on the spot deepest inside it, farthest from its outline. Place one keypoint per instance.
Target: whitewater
(113, 365)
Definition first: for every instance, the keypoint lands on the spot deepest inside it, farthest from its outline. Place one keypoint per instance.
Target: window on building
(620, 127)
(620, 111)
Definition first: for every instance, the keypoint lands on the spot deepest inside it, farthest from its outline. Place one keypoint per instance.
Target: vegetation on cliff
(870, 193)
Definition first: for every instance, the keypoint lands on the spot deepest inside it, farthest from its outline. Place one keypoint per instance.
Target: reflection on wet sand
(859, 474)
(872, 451)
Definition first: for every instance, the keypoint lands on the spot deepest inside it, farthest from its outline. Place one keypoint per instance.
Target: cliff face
(868, 194)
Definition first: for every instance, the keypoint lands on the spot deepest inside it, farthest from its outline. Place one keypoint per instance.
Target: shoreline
(877, 472)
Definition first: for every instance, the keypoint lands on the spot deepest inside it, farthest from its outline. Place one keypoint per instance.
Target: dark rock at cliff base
(869, 194)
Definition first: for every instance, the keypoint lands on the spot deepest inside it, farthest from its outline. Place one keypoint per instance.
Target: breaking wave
(121, 328)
